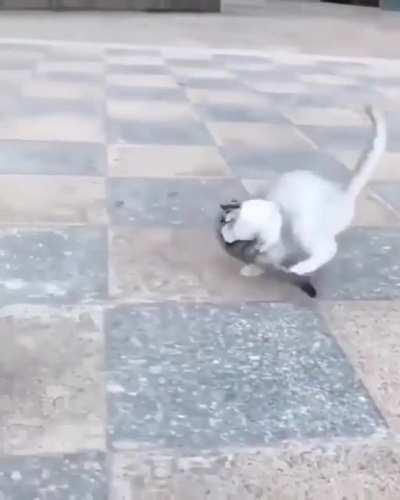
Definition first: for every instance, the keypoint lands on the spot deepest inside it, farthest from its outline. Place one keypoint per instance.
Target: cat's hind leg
(320, 251)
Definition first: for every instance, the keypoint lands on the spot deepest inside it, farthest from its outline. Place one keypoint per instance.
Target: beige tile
(149, 110)
(52, 398)
(196, 72)
(14, 76)
(201, 96)
(369, 212)
(139, 60)
(167, 264)
(137, 80)
(52, 199)
(86, 67)
(280, 87)
(260, 135)
(358, 470)
(54, 126)
(50, 89)
(369, 334)
(387, 170)
(166, 161)
(326, 117)
(327, 79)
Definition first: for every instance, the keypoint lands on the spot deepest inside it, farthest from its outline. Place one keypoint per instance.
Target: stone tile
(184, 73)
(186, 132)
(52, 389)
(62, 476)
(134, 52)
(166, 161)
(323, 117)
(14, 77)
(366, 266)
(325, 79)
(278, 87)
(224, 376)
(162, 81)
(86, 67)
(137, 69)
(70, 53)
(136, 59)
(154, 111)
(359, 469)
(227, 97)
(47, 88)
(239, 137)
(212, 83)
(240, 113)
(368, 333)
(167, 93)
(337, 138)
(267, 165)
(390, 193)
(170, 264)
(54, 120)
(388, 169)
(60, 266)
(173, 202)
(52, 200)
(52, 158)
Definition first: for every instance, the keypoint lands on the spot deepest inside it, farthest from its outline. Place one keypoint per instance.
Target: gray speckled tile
(203, 376)
(366, 266)
(47, 158)
(244, 112)
(145, 93)
(390, 193)
(81, 476)
(61, 266)
(179, 132)
(337, 138)
(267, 165)
(177, 202)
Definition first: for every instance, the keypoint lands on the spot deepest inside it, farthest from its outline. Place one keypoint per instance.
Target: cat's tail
(370, 157)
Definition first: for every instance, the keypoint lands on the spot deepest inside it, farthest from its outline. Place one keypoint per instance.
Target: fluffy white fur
(316, 208)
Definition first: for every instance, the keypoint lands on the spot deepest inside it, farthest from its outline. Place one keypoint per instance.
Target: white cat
(303, 211)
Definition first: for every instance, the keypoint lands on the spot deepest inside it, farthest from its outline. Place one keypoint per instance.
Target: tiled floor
(137, 363)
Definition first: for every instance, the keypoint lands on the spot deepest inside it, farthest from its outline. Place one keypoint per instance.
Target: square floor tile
(62, 266)
(161, 93)
(388, 169)
(337, 138)
(166, 161)
(259, 137)
(80, 476)
(204, 376)
(187, 132)
(390, 193)
(368, 333)
(57, 88)
(52, 158)
(231, 112)
(137, 69)
(141, 80)
(52, 200)
(150, 111)
(264, 164)
(190, 265)
(177, 202)
(365, 267)
(52, 389)
(324, 117)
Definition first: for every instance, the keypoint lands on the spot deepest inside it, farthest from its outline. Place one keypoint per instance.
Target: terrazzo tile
(245, 375)
(169, 202)
(240, 113)
(323, 117)
(337, 138)
(50, 158)
(267, 165)
(166, 161)
(368, 333)
(165, 264)
(144, 92)
(363, 469)
(390, 193)
(388, 169)
(45, 200)
(238, 137)
(52, 478)
(366, 266)
(61, 266)
(51, 380)
(186, 132)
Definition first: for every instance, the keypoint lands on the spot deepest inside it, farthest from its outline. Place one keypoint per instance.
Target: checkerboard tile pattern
(128, 331)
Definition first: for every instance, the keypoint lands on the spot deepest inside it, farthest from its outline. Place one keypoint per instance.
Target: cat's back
(301, 190)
